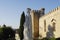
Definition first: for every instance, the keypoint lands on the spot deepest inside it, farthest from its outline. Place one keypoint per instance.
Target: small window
(45, 25)
(54, 26)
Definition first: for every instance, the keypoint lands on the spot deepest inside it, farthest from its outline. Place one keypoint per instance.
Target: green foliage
(1, 30)
(52, 38)
(48, 38)
(21, 28)
(1, 33)
(21, 32)
(22, 20)
(6, 33)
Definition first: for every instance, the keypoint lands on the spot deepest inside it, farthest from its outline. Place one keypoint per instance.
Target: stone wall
(51, 17)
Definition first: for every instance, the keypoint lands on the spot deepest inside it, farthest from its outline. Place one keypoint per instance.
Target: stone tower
(35, 15)
(29, 24)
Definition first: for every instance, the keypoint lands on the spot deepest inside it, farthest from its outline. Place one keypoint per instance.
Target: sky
(10, 10)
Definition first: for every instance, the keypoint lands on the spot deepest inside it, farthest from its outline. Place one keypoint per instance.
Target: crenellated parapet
(56, 9)
(40, 12)
(35, 11)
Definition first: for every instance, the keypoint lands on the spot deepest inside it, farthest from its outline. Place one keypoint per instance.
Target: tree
(7, 33)
(21, 28)
(22, 20)
(1, 33)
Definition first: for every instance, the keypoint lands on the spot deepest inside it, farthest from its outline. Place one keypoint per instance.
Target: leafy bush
(52, 39)
(48, 39)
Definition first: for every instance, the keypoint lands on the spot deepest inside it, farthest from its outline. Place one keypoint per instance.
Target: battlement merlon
(28, 10)
(42, 11)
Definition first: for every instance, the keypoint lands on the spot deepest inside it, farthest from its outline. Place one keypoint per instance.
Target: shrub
(48, 39)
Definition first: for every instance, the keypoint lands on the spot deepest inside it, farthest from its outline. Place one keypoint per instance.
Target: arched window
(53, 24)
